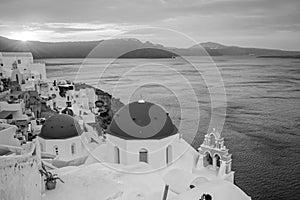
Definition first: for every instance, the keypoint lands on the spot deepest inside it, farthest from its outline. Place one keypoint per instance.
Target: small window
(169, 154)
(73, 148)
(1, 64)
(1, 74)
(144, 155)
(117, 155)
(19, 61)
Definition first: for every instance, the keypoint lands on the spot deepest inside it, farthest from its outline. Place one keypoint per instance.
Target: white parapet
(20, 177)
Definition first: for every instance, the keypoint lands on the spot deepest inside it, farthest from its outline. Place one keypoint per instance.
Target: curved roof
(142, 120)
(60, 126)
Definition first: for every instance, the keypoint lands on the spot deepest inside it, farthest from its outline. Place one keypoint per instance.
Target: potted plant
(50, 180)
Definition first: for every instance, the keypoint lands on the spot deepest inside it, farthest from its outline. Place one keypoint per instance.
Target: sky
(174, 23)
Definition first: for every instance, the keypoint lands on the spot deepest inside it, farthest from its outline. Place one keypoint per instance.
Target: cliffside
(107, 105)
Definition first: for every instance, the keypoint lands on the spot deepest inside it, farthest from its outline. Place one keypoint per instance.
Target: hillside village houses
(24, 87)
(19, 91)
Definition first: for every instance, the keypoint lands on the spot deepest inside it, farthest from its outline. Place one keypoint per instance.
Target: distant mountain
(208, 45)
(128, 48)
(105, 49)
(223, 50)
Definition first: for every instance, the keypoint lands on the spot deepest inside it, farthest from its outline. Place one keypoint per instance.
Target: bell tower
(214, 156)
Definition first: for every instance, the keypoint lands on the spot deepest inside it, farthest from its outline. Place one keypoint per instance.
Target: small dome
(142, 120)
(60, 126)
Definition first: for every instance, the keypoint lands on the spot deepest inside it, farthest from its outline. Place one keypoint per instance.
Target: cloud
(200, 19)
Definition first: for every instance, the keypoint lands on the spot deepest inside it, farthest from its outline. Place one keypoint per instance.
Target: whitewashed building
(143, 132)
(15, 111)
(25, 63)
(61, 136)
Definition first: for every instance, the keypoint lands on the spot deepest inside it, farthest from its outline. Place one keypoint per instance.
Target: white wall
(113, 142)
(40, 68)
(25, 60)
(129, 150)
(7, 134)
(17, 109)
(64, 147)
(19, 178)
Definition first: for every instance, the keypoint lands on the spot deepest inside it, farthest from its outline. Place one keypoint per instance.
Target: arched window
(169, 154)
(143, 155)
(73, 148)
(207, 160)
(217, 161)
(117, 155)
(56, 150)
(17, 78)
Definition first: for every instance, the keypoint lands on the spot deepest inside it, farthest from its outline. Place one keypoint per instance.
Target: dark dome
(60, 126)
(142, 120)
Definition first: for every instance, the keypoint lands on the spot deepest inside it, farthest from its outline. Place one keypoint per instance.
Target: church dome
(61, 126)
(142, 120)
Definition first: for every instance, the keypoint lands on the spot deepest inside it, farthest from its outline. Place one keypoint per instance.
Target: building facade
(142, 132)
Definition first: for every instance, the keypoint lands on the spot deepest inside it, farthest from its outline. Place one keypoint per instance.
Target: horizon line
(100, 40)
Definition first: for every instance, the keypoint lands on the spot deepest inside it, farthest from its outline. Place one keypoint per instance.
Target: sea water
(262, 121)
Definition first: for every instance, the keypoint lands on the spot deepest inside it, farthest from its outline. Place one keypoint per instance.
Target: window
(56, 150)
(17, 78)
(169, 154)
(73, 148)
(19, 61)
(1, 64)
(208, 160)
(143, 155)
(217, 160)
(1, 74)
(117, 155)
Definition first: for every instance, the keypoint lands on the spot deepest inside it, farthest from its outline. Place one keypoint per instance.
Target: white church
(143, 132)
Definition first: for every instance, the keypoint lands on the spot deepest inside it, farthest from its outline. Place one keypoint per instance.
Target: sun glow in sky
(24, 36)
(248, 23)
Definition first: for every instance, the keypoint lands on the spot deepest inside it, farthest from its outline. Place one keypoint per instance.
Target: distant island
(132, 48)
(281, 56)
